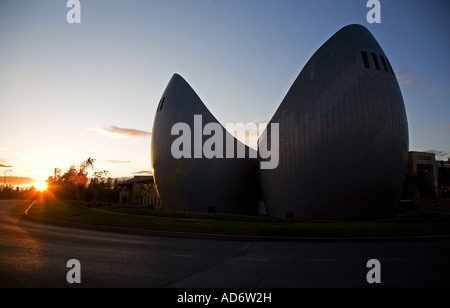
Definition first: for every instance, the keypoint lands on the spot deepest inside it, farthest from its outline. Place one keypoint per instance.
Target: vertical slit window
(375, 60)
(384, 63)
(161, 103)
(365, 59)
(392, 71)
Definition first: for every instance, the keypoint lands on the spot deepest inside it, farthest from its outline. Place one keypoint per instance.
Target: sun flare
(41, 186)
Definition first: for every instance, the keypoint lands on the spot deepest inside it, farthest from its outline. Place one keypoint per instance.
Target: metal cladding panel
(343, 135)
(197, 184)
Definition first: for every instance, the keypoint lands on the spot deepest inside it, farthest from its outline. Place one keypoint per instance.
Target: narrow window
(161, 103)
(375, 59)
(365, 59)
(392, 71)
(384, 63)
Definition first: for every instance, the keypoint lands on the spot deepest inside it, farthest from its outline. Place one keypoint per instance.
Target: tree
(88, 163)
(98, 187)
(73, 183)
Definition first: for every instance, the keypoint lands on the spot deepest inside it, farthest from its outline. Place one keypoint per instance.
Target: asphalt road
(36, 255)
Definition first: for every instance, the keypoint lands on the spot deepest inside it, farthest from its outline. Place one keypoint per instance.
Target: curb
(223, 237)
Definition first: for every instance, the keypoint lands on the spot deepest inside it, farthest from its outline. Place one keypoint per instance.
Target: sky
(72, 91)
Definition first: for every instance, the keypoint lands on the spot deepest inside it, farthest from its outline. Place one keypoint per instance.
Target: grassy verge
(142, 218)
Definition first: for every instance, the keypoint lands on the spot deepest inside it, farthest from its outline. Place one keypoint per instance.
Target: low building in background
(427, 185)
(139, 190)
(426, 177)
(444, 178)
(423, 170)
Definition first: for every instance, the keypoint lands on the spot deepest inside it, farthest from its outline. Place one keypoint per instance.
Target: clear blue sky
(73, 91)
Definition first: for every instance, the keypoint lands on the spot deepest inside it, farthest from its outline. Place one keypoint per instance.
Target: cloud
(147, 172)
(401, 72)
(15, 180)
(119, 132)
(447, 89)
(406, 77)
(412, 82)
(430, 130)
(5, 166)
(114, 161)
(435, 129)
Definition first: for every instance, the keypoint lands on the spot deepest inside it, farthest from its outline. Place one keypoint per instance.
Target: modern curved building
(193, 182)
(343, 135)
(343, 143)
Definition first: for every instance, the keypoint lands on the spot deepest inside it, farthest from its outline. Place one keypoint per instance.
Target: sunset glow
(41, 186)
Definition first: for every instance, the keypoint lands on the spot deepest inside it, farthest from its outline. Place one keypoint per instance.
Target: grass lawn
(147, 219)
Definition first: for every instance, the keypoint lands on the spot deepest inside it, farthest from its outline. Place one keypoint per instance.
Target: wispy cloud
(401, 72)
(114, 161)
(406, 77)
(412, 82)
(143, 172)
(5, 166)
(430, 130)
(433, 129)
(119, 132)
(15, 180)
(444, 90)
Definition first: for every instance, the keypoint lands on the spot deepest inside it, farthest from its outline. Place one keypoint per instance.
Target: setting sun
(41, 186)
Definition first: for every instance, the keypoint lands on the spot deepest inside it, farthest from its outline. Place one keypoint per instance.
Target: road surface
(36, 255)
